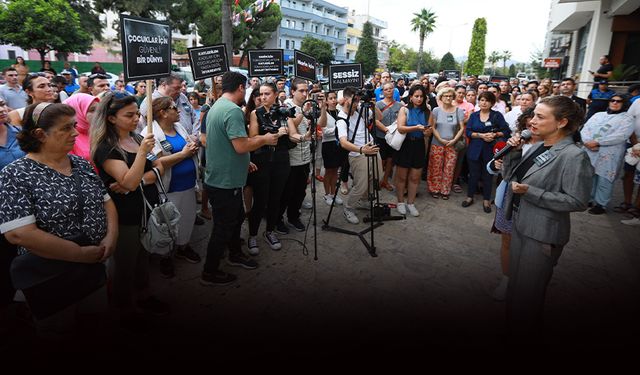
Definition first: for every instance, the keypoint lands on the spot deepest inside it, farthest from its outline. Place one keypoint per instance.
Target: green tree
(512, 70)
(179, 46)
(319, 49)
(397, 57)
(477, 54)
(493, 59)
(89, 18)
(536, 64)
(44, 25)
(424, 23)
(447, 62)
(506, 55)
(367, 53)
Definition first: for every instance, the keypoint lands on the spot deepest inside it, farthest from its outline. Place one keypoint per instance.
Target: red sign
(552, 62)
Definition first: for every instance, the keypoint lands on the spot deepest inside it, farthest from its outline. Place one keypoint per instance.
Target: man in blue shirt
(384, 78)
(598, 99)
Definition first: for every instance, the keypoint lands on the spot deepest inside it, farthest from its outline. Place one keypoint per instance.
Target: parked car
(112, 77)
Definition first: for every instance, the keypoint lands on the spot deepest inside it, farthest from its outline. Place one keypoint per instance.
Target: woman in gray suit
(552, 180)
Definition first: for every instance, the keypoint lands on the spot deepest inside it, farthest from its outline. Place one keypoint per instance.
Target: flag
(236, 19)
(237, 1)
(259, 6)
(248, 15)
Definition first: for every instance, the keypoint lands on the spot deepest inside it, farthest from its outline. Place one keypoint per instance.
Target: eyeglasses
(98, 75)
(616, 101)
(447, 96)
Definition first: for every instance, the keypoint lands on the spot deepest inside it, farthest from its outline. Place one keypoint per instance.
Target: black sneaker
(189, 255)
(281, 228)
(297, 225)
(241, 260)
(217, 278)
(166, 268)
(597, 210)
(154, 306)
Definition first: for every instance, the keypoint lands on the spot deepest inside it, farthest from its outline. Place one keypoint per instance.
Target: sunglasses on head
(98, 75)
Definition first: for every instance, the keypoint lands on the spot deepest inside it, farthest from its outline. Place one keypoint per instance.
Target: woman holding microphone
(550, 181)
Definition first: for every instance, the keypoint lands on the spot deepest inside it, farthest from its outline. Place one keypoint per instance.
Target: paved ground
(430, 285)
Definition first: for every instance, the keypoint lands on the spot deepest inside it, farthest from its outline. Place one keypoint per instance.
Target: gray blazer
(558, 186)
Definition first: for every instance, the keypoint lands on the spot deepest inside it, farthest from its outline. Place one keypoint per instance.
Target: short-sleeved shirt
(446, 123)
(11, 149)
(226, 169)
(361, 131)
(183, 174)
(32, 192)
(389, 115)
(129, 206)
(416, 116)
(15, 97)
(380, 95)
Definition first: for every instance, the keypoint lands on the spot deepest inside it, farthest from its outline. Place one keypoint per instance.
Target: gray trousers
(530, 269)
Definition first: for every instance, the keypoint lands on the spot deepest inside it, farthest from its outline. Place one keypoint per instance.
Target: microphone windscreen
(499, 146)
(526, 134)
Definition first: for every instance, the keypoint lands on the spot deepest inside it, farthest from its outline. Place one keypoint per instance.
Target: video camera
(366, 94)
(281, 113)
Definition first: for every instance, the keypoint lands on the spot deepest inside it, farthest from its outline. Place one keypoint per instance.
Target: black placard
(304, 66)
(146, 48)
(266, 62)
(452, 74)
(209, 61)
(345, 75)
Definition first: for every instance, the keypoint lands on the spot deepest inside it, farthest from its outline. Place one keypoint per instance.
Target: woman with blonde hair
(447, 122)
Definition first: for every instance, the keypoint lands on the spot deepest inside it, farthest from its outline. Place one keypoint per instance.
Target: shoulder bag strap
(78, 187)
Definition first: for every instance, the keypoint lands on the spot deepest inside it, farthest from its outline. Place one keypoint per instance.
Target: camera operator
(299, 159)
(361, 147)
(272, 164)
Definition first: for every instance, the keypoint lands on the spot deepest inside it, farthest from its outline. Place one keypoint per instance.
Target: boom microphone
(525, 136)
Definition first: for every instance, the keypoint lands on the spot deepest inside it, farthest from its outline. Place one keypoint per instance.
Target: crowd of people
(77, 156)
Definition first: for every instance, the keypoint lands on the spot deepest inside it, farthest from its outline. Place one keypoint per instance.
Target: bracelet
(361, 150)
(301, 138)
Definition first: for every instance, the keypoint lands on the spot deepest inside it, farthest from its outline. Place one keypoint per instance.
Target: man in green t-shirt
(227, 156)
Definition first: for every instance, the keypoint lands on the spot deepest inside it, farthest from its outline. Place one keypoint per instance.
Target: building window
(280, 43)
(583, 35)
(12, 54)
(293, 44)
(288, 23)
(286, 44)
(293, 24)
(348, 55)
(301, 25)
(315, 29)
(348, 40)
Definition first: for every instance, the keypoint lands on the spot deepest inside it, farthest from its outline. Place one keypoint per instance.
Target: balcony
(297, 33)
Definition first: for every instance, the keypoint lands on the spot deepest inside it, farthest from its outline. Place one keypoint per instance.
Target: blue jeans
(601, 191)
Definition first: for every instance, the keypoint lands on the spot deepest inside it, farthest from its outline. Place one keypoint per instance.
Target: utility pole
(227, 29)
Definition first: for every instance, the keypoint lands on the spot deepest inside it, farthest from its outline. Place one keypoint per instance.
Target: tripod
(376, 216)
(313, 118)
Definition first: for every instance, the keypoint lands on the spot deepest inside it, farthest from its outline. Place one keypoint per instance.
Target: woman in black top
(50, 198)
(272, 163)
(121, 157)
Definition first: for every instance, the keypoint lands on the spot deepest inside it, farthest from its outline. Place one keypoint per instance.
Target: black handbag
(51, 285)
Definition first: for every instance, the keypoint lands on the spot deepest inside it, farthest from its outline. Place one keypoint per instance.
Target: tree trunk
(227, 29)
(418, 70)
(42, 55)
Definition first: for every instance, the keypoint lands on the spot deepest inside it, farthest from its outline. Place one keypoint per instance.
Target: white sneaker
(351, 216)
(413, 210)
(328, 199)
(635, 221)
(402, 208)
(338, 200)
(252, 243)
(307, 205)
(500, 293)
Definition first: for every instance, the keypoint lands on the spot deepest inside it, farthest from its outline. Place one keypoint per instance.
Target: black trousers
(477, 171)
(294, 192)
(228, 215)
(268, 184)
(8, 251)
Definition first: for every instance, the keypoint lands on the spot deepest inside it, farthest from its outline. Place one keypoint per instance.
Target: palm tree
(493, 58)
(424, 23)
(506, 55)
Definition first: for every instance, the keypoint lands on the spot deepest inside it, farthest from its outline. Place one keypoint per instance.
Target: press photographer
(272, 163)
(354, 137)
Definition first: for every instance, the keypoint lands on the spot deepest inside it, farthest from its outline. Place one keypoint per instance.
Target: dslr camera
(277, 114)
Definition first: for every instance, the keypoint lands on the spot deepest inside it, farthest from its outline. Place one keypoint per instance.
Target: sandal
(386, 185)
(634, 211)
(445, 197)
(457, 188)
(435, 195)
(622, 207)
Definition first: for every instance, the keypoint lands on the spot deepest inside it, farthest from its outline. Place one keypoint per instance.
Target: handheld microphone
(525, 136)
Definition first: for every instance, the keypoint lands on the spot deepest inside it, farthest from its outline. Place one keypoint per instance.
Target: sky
(517, 25)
